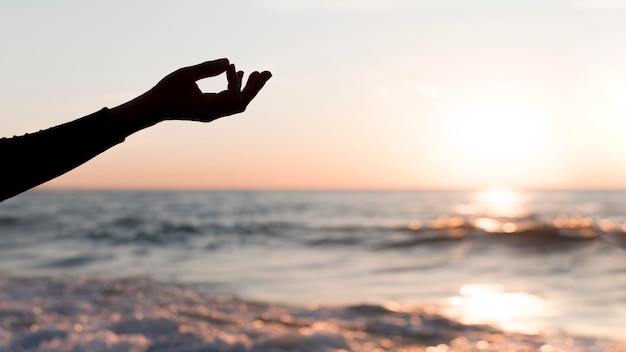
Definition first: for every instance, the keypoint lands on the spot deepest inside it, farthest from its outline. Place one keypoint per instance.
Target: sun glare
(495, 142)
(493, 133)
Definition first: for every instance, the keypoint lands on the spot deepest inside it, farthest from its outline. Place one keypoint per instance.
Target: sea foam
(42, 314)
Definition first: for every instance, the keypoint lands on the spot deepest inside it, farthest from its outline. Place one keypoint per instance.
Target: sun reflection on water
(501, 202)
(497, 210)
(491, 304)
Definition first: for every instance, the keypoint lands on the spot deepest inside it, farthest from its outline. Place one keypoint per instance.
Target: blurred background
(365, 94)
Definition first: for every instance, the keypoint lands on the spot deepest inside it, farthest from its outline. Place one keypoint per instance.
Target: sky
(392, 94)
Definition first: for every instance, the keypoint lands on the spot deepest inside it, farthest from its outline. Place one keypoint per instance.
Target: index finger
(206, 69)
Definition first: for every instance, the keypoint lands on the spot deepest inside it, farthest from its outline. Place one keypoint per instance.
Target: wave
(560, 232)
(44, 314)
(75, 261)
(9, 220)
(440, 230)
(437, 232)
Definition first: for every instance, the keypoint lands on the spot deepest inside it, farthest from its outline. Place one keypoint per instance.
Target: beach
(313, 271)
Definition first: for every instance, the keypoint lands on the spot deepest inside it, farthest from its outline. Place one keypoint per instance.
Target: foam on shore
(43, 314)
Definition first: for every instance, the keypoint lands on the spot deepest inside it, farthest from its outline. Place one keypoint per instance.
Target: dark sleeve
(30, 160)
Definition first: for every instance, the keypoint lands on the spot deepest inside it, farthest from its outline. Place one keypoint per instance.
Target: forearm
(32, 159)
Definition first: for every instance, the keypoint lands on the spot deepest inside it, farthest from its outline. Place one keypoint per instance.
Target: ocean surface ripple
(141, 315)
(313, 271)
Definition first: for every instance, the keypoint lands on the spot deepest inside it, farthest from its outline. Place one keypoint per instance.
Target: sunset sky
(366, 93)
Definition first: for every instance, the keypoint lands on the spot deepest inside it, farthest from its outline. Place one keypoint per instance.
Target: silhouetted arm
(33, 159)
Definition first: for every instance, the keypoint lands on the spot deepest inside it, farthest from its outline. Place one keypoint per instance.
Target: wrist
(132, 116)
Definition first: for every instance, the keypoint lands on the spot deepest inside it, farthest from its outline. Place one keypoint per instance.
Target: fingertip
(252, 78)
(216, 65)
(222, 62)
(255, 84)
(205, 69)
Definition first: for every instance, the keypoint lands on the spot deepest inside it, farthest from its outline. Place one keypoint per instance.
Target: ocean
(493, 270)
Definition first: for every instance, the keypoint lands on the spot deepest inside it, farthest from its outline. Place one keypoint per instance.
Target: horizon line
(333, 189)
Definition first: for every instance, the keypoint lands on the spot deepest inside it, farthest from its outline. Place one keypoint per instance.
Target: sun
(494, 142)
(493, 133)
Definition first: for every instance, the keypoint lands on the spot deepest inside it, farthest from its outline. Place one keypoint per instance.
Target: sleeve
(32, 159)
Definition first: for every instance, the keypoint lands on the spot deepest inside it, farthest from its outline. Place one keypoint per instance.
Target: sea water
(313, 271)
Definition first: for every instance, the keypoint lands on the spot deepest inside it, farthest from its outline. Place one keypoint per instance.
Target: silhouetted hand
(178, 97)
(36, 158)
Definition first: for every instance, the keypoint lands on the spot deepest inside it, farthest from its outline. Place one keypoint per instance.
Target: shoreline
(139, 314)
